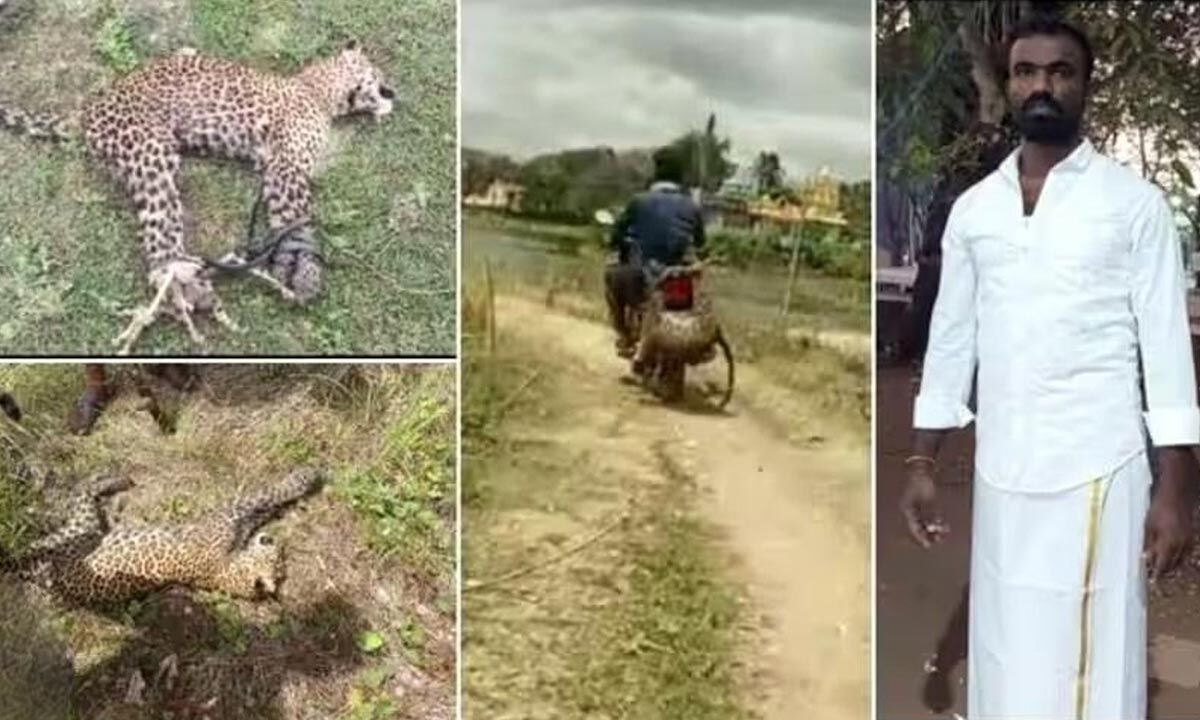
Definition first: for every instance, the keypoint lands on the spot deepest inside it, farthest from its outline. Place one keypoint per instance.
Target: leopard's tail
(42, 126)
(251, 512)
(85, 527)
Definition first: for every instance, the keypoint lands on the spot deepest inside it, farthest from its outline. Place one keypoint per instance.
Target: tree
(572, 184)
(705, 157)
(480, 169)
(942, 109)
(768, 174)
(856, 206)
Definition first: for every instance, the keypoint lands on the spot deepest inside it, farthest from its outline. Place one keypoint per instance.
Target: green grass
(384, 202)
(404, 498)
(16, 522)
(116, 43)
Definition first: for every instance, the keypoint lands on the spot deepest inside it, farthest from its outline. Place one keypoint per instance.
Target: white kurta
(1053, 311)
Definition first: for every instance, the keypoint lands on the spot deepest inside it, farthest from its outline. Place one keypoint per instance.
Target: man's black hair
(1040, 24)
(668, 166)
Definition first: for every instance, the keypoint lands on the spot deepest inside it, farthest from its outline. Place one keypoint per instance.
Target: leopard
(90, 561)
(189, 103)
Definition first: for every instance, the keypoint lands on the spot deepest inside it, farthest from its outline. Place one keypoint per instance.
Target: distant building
(816, 199)
(500, 195)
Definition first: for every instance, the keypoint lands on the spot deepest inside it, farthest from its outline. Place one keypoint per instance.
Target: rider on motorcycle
(658, 228)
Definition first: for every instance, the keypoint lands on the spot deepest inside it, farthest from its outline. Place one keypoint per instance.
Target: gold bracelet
(917, 458)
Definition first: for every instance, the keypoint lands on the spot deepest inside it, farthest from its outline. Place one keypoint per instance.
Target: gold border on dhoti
(1085, 626)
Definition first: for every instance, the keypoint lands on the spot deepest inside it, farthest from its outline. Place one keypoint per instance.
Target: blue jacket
(663, 223)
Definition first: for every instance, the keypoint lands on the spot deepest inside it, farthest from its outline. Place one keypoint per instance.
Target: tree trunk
(992, 100)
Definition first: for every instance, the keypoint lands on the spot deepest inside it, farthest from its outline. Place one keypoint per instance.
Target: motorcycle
(675, 328)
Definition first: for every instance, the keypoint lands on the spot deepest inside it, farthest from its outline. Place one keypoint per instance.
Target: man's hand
(918, 504)
(1169, 520)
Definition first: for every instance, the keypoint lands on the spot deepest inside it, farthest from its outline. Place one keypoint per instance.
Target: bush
(829, 251)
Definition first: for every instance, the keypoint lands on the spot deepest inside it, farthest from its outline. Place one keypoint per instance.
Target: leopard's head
(256, 570)
(360, 85)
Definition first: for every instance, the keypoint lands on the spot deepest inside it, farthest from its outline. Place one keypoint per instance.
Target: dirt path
(794, 513)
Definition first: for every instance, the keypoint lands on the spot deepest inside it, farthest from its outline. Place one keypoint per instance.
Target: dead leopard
(87, 562)
(188, 103)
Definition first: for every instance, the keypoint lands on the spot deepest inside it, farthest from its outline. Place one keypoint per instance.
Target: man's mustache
(1042, 103)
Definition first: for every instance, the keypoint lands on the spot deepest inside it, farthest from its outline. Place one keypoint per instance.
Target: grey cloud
(537, 78)
(846, 12)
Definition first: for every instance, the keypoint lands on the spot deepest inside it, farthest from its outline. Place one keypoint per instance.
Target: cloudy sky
(793, 76)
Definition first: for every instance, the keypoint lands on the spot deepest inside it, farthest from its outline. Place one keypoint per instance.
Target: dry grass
(363, 626)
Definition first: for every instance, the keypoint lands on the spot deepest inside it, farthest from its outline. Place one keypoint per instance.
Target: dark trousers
(625, 287)
(925, 290)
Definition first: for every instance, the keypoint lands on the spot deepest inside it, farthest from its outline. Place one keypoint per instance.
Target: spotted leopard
(90, 563)
(189, 103)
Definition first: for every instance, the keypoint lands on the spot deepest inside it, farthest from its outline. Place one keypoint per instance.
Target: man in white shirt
(1061, 271)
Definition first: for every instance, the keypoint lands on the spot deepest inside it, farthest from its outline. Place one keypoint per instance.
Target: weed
(368, 699)
(412, 639)
(404, 498)
(232, 630)
(291, 447)
(227, 27)
(117, 44)
(17, 525)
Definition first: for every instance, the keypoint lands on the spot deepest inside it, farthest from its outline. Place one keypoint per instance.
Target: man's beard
(1041, 119)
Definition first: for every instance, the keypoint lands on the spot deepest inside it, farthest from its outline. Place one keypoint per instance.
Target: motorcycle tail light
(677, 293)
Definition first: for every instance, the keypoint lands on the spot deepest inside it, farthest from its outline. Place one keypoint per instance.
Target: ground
(385, 199)
(625, 559)
(363, 627)
(918, 592)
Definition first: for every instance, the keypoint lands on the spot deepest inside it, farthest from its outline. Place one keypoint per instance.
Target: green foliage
(744, 248)
(480, 169)
(407, 497)
(856, 206)
(368, 698)
(232, 630)
(17, 501)
(292, 446)
(705, 157)
(827, 250)
(938, 62)
(227, 27)
(370, 641)
(572, 184)
(117, 44)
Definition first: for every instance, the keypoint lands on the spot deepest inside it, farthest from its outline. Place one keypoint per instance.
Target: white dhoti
(1058, 604)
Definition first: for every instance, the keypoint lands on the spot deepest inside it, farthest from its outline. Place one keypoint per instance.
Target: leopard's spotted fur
(87, 562)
